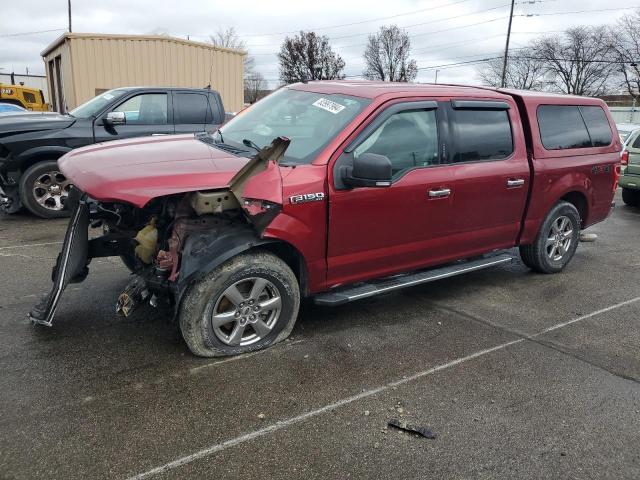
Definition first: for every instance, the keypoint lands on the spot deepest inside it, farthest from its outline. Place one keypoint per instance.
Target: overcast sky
(437, 39)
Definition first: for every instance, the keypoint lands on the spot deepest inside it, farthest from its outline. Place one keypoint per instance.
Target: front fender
(205, 251)
(44, 152)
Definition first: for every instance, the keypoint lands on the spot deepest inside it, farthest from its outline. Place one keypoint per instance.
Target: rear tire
(44, 190)
(248, 303)
(631, 197)
(556, 242)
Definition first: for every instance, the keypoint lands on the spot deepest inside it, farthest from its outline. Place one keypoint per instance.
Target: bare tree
(524, 71)
(228, 38)
(580, 62)
(387, 56)
(254, 85)
(625, 37)
(308, 56)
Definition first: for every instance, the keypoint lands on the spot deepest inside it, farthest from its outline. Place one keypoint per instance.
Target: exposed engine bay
(171, 241)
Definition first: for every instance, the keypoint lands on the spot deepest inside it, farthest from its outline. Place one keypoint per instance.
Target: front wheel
(44, 190)
(556, 242)
(248, 303)
(631, 197)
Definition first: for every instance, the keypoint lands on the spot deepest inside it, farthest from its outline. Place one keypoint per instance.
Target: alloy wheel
(559, 238)
(246, 312)
(51, 190)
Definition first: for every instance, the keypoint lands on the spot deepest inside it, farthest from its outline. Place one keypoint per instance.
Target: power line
(404, 26)
(431, 21)
(20, 34)
(410, 36)
(575, 11)
(359, 22)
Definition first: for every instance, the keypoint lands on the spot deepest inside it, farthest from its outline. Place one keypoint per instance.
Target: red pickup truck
(336, 191)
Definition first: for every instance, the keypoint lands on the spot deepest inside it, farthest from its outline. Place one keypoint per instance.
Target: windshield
(310, 120)
(96, 104)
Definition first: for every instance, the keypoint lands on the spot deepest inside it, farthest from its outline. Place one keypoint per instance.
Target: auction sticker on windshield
(328, 105)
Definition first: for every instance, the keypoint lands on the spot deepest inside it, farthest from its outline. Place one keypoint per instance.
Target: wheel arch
(203, 253)
(30, 157)
(579, 200)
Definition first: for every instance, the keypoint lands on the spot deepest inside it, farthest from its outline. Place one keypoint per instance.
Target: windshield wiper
(251, 144)
(219, 132)
(207, 138)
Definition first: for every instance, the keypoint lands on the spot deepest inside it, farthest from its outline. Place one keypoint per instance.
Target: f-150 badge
(306, 197)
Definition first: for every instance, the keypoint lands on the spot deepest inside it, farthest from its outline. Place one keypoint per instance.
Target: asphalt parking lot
(519, 375)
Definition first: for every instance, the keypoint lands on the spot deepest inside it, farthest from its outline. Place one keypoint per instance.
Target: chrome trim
(443, 192)
(516, 182)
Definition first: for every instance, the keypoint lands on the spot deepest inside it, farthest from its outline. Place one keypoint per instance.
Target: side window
(597, 125)
(409, 139)
(480, 134)
(191, 108)
(145, 109)
(561, 127)
(29, 97)
(636, 142)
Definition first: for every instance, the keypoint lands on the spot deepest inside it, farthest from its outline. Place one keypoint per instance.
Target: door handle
(439, 193)
(515, 182)
(158, 134)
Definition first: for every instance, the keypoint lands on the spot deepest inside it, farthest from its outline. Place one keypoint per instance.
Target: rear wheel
(556, 242)
(248, 303)
(631, 197)
(44, 190)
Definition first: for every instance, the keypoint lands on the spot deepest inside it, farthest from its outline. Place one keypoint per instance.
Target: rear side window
(565, 126)
(597, 125)
(29, 97)
(191, 108)
(636, 142)
(481, 135)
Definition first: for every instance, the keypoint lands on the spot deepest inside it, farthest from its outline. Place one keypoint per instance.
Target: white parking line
(29, 245)
(345, 401)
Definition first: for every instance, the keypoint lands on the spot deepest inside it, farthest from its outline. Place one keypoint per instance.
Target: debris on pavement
(426, 432)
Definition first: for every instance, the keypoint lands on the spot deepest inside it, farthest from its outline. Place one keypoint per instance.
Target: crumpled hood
(138, 170)
(34, 121)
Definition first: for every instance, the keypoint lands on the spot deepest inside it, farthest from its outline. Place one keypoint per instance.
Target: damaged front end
(171, 241)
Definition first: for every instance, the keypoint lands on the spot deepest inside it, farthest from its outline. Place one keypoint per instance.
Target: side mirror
(115, 118)
(369, 170)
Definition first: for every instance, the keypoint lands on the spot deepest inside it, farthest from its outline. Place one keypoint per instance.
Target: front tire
(631, 197)
(248, 303)
(44, 190)
(556, 242)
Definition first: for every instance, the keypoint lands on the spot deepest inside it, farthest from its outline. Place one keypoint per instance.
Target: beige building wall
(94, 63)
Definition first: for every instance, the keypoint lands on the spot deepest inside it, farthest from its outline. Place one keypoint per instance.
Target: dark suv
(30, 144)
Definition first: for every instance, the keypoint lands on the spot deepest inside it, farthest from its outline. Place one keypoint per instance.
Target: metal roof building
(80, 66)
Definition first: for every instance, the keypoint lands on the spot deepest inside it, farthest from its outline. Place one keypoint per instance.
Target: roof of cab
(369, 89)
(373, 89)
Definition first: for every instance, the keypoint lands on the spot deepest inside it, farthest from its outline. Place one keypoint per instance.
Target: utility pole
(69, 11)
(436, 80)
(503, 83)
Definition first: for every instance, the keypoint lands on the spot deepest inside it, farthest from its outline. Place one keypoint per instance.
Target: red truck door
(458, 190)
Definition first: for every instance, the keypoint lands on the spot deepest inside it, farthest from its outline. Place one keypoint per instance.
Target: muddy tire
(556, 242)
(248, 303)
(44, 190)
(631, 197)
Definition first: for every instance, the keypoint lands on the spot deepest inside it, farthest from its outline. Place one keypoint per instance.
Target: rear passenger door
(487, 179)
(191, 111)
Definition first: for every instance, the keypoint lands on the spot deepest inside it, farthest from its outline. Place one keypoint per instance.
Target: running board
(358, 291)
